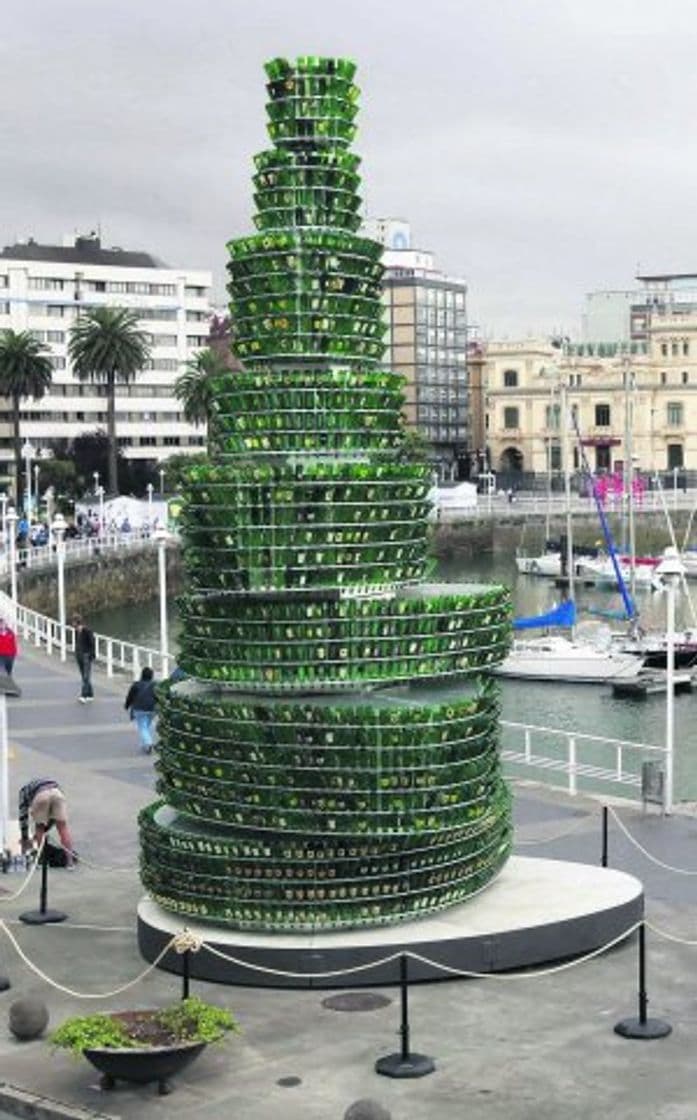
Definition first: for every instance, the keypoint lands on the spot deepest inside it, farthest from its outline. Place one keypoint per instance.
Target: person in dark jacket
(44, 801)
(85, 650)
(141, 702)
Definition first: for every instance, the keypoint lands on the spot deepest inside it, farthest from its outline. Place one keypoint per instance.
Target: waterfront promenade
(538, 1047)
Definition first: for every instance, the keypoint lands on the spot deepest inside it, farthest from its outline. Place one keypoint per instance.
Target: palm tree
(25, 371)
(106, 344)
(195, 388)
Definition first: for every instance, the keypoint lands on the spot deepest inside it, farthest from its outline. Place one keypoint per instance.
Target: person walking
(140, 699)
(85, 650)
(8, 647)
(43, 800)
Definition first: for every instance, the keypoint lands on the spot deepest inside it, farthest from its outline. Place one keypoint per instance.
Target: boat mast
(629, 387)
(566, 452)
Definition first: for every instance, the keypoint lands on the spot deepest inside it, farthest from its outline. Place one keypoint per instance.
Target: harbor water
(589, 709)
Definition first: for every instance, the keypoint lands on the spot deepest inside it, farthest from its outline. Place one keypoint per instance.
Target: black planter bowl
(156, 1063)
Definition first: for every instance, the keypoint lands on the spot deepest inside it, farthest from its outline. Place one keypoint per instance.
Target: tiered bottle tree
(305, 785)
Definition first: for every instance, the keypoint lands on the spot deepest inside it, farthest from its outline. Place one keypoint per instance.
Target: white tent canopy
(138, 512)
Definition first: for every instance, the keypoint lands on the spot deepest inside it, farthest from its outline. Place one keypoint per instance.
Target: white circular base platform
(537, 910)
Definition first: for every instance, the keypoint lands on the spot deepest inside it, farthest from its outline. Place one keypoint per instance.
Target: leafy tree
(195, 387)
(220, 340)
(25, 371)
(106, 344)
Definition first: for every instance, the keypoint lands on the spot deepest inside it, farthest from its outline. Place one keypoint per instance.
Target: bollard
(603, 858)
(43, 915)
(643, 1027)
(404, 1064)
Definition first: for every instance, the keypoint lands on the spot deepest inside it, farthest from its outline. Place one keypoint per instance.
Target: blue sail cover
(563, 615)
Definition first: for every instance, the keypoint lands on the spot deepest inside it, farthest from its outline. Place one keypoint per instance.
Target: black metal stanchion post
(643, 1027)
(603, 858)
(43, 915)
(186, 973)
(404, 1064)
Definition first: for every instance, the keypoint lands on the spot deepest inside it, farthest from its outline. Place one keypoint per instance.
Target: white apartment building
(42, 290)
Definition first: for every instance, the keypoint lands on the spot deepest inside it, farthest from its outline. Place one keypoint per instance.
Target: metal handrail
(46, 632)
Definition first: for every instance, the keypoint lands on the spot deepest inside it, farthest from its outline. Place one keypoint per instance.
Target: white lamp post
(48, 498)
(11, 521)
(36, 489)
(59, 527)
(161, 538)
(27, 455)
(671, 569)
(100, 494)
(162, 481)
(3, 504)
(149, 489)
(95, 476)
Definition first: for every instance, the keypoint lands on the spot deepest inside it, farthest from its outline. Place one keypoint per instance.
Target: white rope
(527, 975)
(301, 975)
(669, 936)
(557, 835)
(71, 991)
(187, 942)
(30, 875)
(653, 859)
(78, 856)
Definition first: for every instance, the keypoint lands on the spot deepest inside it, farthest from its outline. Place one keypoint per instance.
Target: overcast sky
(541, 148)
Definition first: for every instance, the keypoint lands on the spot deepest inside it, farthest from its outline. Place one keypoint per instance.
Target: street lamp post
(100, 495)
(150, 489)
(59, 527)
(11, 521)
(675, 487)
(162, 481)
(95, 476)
(48, 498)
(27, 455)
(36, 490)
(671, 569)
(3, 503)
(161, 538)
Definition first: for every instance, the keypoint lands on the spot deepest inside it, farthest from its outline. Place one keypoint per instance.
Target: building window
(55, 311)
(552, 416)
(57, 361)
(194, 290)
(602, 459)
(147, 441)
(685, 348)
(674, 414)
(664, 377)
(510, 378)
(172, 441)
(675, 456)
(602, 415)
(685, 377)
(674, 349)
(664, 349)
(555, 457)
(510, 418)
(48, 283)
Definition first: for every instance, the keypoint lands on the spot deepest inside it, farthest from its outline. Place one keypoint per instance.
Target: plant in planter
(144, 1046)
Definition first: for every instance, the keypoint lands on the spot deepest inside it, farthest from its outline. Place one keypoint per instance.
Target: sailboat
(573, 659)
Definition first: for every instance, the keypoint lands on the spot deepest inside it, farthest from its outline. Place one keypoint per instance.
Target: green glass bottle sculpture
(301, 789)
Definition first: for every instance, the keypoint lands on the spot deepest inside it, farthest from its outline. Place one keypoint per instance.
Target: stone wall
(112, 579)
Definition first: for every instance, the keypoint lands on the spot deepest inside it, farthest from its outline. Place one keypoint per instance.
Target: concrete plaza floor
(507, 1048)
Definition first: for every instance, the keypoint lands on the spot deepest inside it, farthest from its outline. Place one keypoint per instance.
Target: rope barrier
(464, 973)
(30, 874)
(95, 866)
(557, 835)
(669, 936)
(651, 858)
(71, 991)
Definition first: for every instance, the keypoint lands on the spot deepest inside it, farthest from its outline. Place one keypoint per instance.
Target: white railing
(47, 633)
(577, 755)
(525, 504)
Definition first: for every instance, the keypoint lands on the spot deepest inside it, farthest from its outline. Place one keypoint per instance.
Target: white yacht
(547, 564)
(556, 658)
